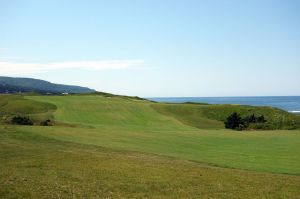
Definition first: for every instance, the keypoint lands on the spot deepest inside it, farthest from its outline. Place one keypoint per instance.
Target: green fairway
(134, 125)
(120, 147)
(33, 166)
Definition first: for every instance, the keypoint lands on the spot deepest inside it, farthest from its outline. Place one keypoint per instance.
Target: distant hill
(16, 85)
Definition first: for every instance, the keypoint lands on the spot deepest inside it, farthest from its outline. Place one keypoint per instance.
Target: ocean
(287, 103)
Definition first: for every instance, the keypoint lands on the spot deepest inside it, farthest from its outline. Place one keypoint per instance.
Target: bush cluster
(235, 121)
(21, 120)
(46, 123)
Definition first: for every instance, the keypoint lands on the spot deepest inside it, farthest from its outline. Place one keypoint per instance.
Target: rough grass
(190, 114)
(34, 166)
(213, 116)
(17, 105)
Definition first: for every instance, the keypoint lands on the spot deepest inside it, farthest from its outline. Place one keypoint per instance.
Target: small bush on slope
(21, 120)
(235, 121)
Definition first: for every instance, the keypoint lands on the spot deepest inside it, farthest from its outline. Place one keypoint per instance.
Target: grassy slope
(19, 105)
(11, 105)
(189, 114)
(68, 162)
(125, 124)
(212, 116)
(34, 166)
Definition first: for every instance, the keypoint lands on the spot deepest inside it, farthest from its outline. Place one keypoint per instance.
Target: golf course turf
(119, 147)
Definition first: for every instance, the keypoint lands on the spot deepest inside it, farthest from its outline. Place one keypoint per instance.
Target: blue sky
(155, 47)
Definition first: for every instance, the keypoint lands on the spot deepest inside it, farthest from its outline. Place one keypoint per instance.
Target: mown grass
(119, 147)
(136, 126)
(276, 152)
(33, 166)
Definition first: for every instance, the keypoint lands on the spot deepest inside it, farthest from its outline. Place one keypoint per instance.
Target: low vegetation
(236, 122)
(135, 125)
(21, 120)
(33, 166)
(47, 122)
(119, 147)
(213, 116)
(16, 108)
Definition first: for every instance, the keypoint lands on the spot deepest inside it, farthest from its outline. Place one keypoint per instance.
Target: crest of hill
(14, 85)
(109, 95)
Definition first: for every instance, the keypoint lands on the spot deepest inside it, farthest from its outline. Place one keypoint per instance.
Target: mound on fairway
(17, 105)
(213, 116)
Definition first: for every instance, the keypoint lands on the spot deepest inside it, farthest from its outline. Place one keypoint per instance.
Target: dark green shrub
(250, 119)
(259, 126)
(21, 120)
(254, 119)
(234, 121)
(261, 119)
(46, 123)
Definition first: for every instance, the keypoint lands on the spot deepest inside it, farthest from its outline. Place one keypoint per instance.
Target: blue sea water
(288, 103)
